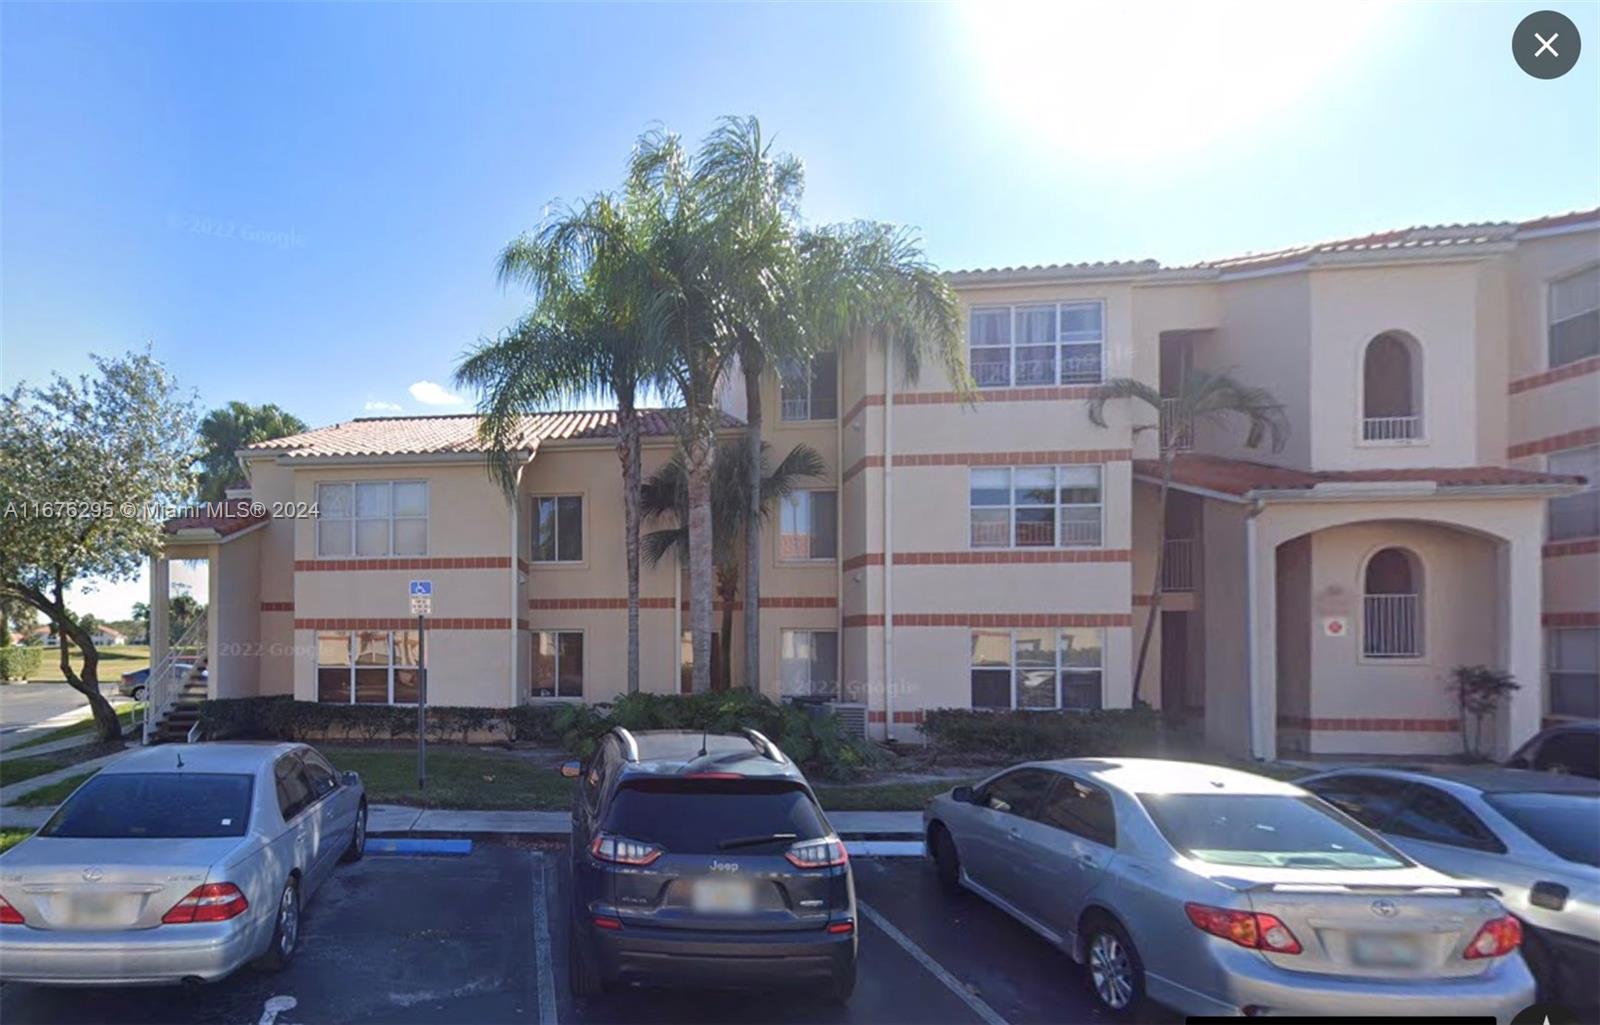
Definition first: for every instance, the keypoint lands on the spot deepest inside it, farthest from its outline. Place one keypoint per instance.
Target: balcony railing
(1391, 428)
(1177, 431)
(1393, 626)
(1177, 565)
(796, 408)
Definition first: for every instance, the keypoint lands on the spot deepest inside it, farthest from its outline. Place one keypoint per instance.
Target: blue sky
(302, 204)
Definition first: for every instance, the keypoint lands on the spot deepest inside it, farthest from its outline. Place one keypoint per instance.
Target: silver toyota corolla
(1534, 835)
(1218, 892)
(180, 862)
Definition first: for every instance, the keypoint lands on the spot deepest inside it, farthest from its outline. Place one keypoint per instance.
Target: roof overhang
(1372, 491)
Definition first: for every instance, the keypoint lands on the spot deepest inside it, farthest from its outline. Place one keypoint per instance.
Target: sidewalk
(18, 789)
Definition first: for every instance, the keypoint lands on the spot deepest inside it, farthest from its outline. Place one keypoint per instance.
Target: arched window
(1392, 605)
(1391, 388)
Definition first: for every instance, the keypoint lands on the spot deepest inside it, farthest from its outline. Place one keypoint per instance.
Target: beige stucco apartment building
(1434, 506)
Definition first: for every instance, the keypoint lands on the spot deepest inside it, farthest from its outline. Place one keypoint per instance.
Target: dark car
(1570, 747)
(704, 860)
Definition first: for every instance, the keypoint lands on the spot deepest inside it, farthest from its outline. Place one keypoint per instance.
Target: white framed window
(1575, 672)
(367, 667)
(1574, 318)
(558, 528)
(808, 663)
(1575, 515)
(808, 525)
(558, 663)
(808, 389)
(1392, 613)
(372, 518)
(1038, 669)
(1035, 506)
(1037, 344)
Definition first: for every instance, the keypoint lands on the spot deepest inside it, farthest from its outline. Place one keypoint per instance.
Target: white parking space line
(953, 984)
(276, 1006)
(541, 944)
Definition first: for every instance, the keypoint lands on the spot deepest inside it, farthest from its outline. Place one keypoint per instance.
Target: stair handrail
(161, 687)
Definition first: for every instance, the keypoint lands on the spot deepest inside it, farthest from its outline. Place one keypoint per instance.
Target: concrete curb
(400, 820)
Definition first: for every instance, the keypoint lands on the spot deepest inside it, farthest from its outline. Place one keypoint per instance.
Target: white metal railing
(988, 375)
(1177, 431)
(1391, 428)
(1080, 525)
(1035, 372)
(1393, 626)
(1084, 368)
(167, 677)
(797, 408)
(1177, 564)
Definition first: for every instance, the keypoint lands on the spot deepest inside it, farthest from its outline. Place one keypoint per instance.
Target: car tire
(843, 985)
(1541, 965)
(285, 930)
(1113, 968)
(138, 693)
(358, 839)
(946, 859)
(583, 970)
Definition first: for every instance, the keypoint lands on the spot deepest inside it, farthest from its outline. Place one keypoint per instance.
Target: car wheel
(285, 930)
(946, 861)
(358, 839)
(138, 693)
(844, 983)
(583, 971)
(1536, 955)
(1116, 975)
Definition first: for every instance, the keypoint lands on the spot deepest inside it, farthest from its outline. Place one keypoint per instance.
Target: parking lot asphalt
(482, 939)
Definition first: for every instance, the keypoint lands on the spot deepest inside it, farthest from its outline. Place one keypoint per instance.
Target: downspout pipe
(888, 543)
(1258, 740)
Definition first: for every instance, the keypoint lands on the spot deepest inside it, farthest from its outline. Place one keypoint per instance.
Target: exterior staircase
(184, 713)
(176, 686)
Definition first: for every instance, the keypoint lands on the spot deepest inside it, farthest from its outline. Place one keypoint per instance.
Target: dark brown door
(1174, 661)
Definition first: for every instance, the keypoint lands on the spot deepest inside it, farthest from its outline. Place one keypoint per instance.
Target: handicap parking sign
(421, 588)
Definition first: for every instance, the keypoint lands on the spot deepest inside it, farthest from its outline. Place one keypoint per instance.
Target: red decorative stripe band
(472, 562)
(982, 395)
(996, 620)
(1370, 725)
(1566, 373)
(1049, 457)
(1582, 546)
(915, 715)
(1555, 443)
(403, 623)
(277, 606)
(1570, 619)
(595, 604)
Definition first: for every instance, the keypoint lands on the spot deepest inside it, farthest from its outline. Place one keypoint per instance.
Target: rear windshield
(1563, 824)
(1269, 830)
(699, 816)
(157, 806)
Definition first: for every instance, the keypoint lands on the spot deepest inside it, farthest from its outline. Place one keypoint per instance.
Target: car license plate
(91, 909)
(1385, 951)
(724, 896)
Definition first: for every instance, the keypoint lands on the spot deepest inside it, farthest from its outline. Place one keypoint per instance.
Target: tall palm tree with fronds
(666, 494)
(1205, 397)
(793, 292)
(585, 339)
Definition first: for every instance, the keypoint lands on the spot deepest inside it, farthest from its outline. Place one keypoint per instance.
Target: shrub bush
(984, 737)
(283, 718)
(19, 663)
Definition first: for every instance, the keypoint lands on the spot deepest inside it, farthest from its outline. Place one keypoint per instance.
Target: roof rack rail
(765, 746)
(630, 747)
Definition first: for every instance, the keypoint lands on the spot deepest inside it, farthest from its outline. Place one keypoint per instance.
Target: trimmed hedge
(19, 663)
(814, 741)
(1001, 737)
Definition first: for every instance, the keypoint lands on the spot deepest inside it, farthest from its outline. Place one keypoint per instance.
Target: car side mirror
(962, 794)
(349, 778)
(571, 770)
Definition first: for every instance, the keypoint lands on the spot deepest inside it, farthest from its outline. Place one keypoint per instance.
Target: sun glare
(1130, 83)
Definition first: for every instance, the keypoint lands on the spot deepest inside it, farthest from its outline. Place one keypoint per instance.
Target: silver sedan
(1219, 892)
(177, 863)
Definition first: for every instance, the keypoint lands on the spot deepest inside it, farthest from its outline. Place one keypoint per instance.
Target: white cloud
(375, 406)
(431, 394)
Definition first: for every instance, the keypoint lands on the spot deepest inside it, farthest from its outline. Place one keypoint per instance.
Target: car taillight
(842, 928)
(1498, 937)
(10, 915)
(824, 853)
(213, 902)
(1251, 929)
(622, 851)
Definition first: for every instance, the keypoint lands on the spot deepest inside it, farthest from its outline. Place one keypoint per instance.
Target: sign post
(422, 606)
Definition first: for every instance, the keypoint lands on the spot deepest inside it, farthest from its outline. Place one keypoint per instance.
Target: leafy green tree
(584, 339)
(79, 462)
(225, 431)
(183, 609)
(666, 493)
(1204, 397)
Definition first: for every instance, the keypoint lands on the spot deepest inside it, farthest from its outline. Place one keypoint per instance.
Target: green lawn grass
(9, 838)
(74, 729)
(15, 770)
(115, 660)
(457, 778)
(54, 794)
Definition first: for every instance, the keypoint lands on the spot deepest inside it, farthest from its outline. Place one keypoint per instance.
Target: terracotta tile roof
(1420, 239)
(1242, 477)
(457, 433)
(225, 518)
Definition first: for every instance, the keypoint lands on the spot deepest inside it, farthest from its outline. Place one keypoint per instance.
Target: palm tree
(794, 292)
(666, 492)
(225, 431)
(585, 339)
(1205, 397)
